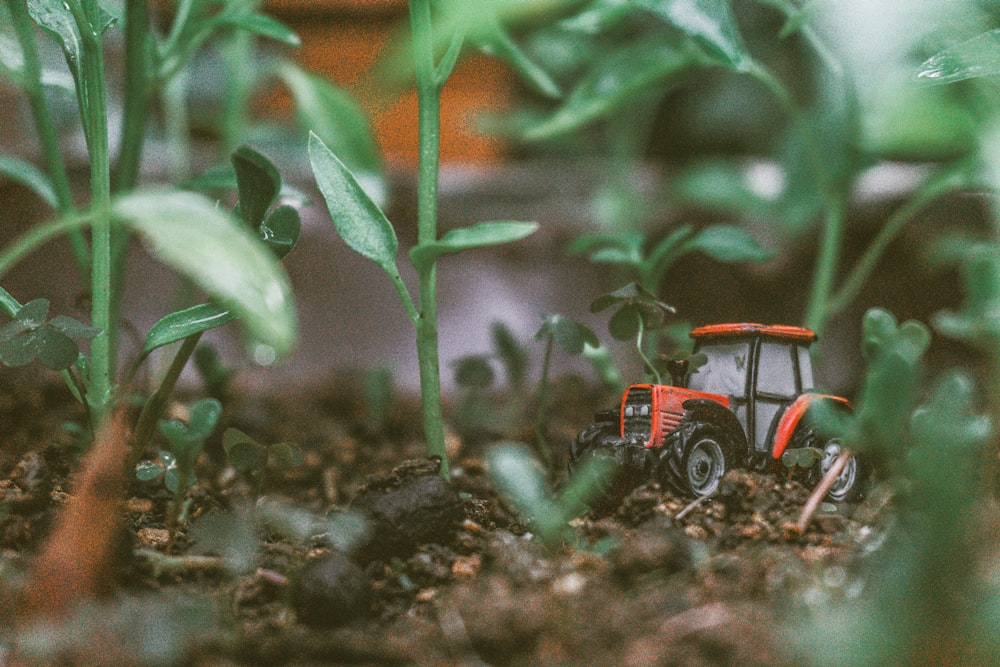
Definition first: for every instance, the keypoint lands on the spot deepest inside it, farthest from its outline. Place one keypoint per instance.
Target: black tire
(590, 443)
(849, 484)
(705, 457)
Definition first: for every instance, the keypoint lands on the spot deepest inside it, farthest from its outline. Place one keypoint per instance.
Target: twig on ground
(820, 491)
(166, 564)
(695, 503)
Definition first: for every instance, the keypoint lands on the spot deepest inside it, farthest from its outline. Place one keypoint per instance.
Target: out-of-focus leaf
(499, 44)
(189, 233)
(645, 67)
(708, 22)
(511, 353)
(29, 176)
(334, 116)
(148, 470)
(979, 320)
(286, 454)
(728, 244)
(975, 57)
(261, 25)
(223, 177)
(570, 336)
(468, 238)
(243, 452)
(718, 185)
(203, 417)
(184, 323)
(358, 219)
(474, 371)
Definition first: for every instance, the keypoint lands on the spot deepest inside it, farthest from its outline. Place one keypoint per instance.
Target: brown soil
(464, 583)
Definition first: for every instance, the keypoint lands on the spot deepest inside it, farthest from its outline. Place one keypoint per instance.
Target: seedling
(366, 230)
(177, 464)
(248, 456)
(637, 311)
(520, 479)
(572, 338)
(33, 336)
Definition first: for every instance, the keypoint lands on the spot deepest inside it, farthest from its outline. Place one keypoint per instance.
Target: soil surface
(275, 567)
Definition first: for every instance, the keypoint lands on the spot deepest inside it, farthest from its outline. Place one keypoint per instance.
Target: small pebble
(138, 505)
(154, 537)
(466, 567)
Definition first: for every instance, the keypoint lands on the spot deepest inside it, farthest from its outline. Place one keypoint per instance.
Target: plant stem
(543, 403)
(934, 186)
(826, 263)
(642, 354)
(238, 56)
(154, 406)
(139, 72)
(35, 91)
(94, 112)
(429, 99)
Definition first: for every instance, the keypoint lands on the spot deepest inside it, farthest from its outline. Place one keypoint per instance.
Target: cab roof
(784, 332)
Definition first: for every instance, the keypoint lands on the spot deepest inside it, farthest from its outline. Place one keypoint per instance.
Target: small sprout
(31, 335)
(247, 455)
(511, 354)
(802, 457)
(185, 444)
(474, 372)
(638, 309)
(522, 481)
(214, 373)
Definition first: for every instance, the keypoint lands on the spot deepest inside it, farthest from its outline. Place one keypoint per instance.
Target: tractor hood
(653, 411)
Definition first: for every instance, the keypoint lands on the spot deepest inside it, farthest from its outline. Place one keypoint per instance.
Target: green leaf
(189, 233)
(223, 177)
(29, 176)
(359, 221)
(56, 19)
(247, 456)
(286, 454)
(728, 244)
(34, 313)
(55, 350)
(646, 67)
(257, 182)
(498, 43)
(708, 22)
(73, 327)
(518, 477)
(976, 57)
(280, 230)
(203, 417)
(19, 350)
(339, 121)
(184, 323)
(262, 25)
(148, 470)
(511, 353)
(474, 371)
(467, 238)
(624, 324)
(570, 336)
(172, 480)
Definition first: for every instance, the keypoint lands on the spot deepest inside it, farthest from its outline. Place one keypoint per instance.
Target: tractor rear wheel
(847, 486)
(595, 442)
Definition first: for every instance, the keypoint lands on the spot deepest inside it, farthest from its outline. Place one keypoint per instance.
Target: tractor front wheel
(705, 457)
(705, 464)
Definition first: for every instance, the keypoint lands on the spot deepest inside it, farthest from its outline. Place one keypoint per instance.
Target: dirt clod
(330, 591)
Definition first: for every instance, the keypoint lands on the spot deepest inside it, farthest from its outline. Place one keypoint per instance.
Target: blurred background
(780, 134)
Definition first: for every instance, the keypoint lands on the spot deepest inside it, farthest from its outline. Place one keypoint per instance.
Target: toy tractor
(743, 408)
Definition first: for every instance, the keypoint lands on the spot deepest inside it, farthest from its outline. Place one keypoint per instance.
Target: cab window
(776, 370)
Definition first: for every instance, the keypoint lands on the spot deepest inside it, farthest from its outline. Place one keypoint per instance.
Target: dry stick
(820, 491)
(77, 560)
(697, 501)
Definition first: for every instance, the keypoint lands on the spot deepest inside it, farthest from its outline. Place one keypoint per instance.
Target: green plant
(637, 311)
(184, 230)
(248, 456)
(520, 479)
(185, 442)
(366, 230)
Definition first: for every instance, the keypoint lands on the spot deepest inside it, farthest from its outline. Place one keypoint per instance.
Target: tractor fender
(700, 410)
(793, 415)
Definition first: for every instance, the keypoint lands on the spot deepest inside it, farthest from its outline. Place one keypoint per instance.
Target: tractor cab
(761, 369)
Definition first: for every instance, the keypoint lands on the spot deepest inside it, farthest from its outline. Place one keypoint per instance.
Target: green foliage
(636, 309)
(33, 336)
(524, 484)
(184, 445)
(247, 455)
